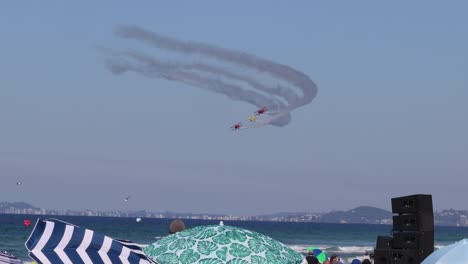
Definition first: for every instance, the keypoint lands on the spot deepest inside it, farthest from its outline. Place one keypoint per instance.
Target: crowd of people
(334, 259)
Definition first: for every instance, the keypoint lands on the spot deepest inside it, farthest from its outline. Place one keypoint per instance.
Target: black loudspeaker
(406, 256)
(413, 232)
(382, 256)
(413, 222)
(418, 203)
(397, 256)
(384, 242)
(423, 240)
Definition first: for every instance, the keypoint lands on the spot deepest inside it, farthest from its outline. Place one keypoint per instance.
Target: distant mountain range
(358, 215)
(361, 214)
(17, 205)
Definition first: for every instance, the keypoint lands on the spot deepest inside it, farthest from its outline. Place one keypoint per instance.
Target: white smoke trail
(280, 98)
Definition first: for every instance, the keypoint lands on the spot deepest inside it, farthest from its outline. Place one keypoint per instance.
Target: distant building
(386, 221)
(463, 220)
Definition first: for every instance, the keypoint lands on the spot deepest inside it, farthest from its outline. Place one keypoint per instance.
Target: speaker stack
(413, 232)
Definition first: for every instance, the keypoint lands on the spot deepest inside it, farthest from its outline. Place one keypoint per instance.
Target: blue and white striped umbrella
(58, 242)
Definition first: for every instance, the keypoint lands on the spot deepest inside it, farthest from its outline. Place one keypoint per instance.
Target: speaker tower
(413, 232)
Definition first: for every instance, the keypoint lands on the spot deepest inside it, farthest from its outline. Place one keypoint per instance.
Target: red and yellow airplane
(236, 126)
(261, 110)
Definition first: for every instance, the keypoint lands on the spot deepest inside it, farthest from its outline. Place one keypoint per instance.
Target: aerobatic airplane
(261, 111)
(252, 118)
(236, 126)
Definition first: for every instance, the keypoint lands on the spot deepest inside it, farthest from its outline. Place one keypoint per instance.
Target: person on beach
(326, 262)
(311, 259)
(366, 261)
(176, 226)
(334, 259)
(356, 261)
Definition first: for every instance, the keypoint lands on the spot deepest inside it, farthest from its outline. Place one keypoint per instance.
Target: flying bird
(127, 198)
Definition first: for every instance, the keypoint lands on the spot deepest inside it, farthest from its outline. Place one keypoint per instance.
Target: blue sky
(390, 117)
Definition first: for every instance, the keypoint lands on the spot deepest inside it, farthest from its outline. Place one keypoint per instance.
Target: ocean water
(347, 240)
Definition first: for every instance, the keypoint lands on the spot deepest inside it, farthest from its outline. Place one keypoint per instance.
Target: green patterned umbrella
(217, 244)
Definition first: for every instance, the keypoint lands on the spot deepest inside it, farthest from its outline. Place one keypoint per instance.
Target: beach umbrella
(57, 242)
(8, 258)
(318, 253)
(217, 244)
(453, 253)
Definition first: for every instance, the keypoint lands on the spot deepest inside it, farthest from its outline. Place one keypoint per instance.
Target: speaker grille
(421, 203)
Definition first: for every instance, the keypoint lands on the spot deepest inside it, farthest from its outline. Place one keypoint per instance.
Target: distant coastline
(358, 215)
